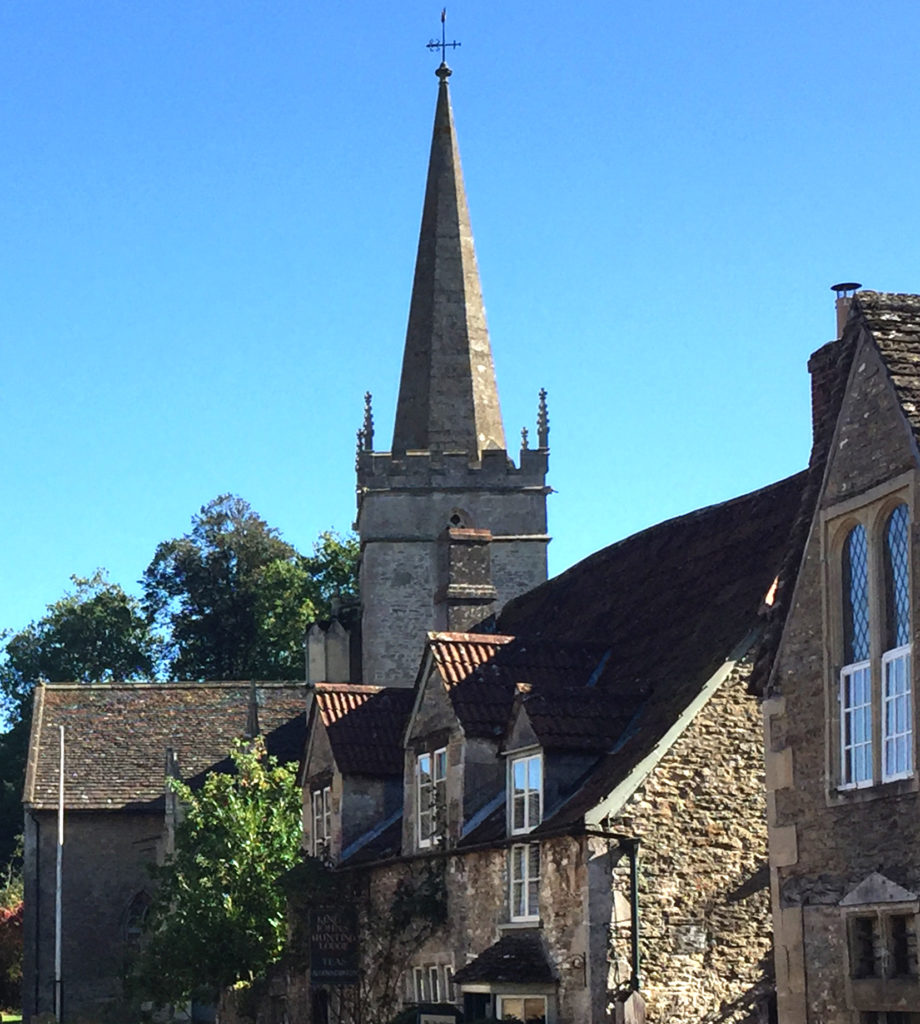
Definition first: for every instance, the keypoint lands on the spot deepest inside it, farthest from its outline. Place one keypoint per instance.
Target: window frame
(525, 880)
(434, 793)
(892, 734)
(434, 983)
(527, 759)
(420, 984)
(880, 919)
(500, 999)
(321, 810)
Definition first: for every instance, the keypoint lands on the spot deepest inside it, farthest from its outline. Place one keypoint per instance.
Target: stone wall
(105, 865)
(405, 505)
(476, 886)
(824, 841)
(705, 930)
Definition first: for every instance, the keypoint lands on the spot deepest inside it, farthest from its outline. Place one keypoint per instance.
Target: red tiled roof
(335, 700)
(116, 736)
(457, 655)
(480, 672)
(365, 726)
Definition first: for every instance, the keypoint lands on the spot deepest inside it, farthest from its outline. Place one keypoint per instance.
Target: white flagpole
(57, 890)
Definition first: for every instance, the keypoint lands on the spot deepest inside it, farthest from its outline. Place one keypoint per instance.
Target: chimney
(844, 296)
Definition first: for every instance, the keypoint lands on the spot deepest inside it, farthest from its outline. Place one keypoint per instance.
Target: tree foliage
(94, 632)
(234, 598)
(218, 916)
(11, 914)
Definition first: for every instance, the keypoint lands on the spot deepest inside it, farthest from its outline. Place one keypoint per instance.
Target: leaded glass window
(897, 580)
(856, 596)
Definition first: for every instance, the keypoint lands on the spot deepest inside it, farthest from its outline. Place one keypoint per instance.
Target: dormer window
(525, 812)
(874, 696)
(431, 794)
(322, 822)
(525, 785)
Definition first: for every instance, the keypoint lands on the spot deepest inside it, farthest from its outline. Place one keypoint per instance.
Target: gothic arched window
(856, 596)
(897, 732)
(856, 675)
(136, 918)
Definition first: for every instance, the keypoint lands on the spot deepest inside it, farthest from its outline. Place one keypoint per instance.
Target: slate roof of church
(364, 725)
(116, 736)
(893, 321)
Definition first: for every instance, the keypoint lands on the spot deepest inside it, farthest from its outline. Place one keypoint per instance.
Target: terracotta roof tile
(481, 671)
(116, 737)
(365, 726)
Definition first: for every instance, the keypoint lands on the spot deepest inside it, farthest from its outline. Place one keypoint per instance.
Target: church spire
(448, 398)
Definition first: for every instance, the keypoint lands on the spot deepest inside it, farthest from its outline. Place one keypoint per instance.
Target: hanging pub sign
(333, 945)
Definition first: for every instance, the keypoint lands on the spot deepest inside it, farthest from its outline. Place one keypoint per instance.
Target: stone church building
(574, 766)
(547, 799)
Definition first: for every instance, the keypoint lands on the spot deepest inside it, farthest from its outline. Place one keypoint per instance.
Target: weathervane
(433, 44)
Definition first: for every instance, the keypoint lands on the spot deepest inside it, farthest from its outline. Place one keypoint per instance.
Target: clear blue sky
(208, 220)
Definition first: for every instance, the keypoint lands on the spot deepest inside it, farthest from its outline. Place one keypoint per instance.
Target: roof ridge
(186, 684)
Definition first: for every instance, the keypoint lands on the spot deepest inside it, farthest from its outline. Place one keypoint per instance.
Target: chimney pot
(844, 291)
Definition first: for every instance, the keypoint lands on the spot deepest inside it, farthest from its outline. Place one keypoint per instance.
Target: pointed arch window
(897, 732)
(875, 701)
(856, 675)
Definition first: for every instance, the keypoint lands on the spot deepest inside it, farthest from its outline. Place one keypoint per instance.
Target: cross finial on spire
(443, 71)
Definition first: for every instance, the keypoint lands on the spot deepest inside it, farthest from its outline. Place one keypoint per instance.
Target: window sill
(528, 924)
(877, 791)
(891, 993)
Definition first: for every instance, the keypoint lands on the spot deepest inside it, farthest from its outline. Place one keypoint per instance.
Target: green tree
(235, 599)
(218, 916)
(93, 633)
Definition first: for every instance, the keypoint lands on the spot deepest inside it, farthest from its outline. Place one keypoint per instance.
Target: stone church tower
(450, 528)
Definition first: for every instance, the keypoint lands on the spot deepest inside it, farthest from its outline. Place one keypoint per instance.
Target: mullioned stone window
(882, 923)
(871, 630)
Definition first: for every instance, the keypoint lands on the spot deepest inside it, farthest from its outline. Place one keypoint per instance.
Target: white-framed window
(530, 1009)
(856, 724)
(431, 794)
(525, 786)
(874, 697)
(426, 984)
(524, 876)
(322, 821)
